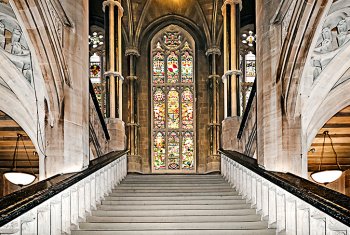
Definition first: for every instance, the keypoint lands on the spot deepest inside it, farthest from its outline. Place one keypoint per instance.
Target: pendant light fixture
(327, 176)
(14, 175)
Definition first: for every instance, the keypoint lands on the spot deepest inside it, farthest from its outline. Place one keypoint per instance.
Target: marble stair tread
(178, 232)
(175, 184)
(131, 194)
(178, 202)
(185, 212)
(173, 207)
(241, 225)
(164, 190)
(171, 198)
(172, 219)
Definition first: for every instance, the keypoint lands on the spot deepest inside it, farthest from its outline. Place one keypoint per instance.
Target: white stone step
(251, 225)
(160, 213)
(174, 184)
(177, 181)
(172, 219)
(133, 194)
(170, 190)
(179, 232)
(172, 207)
(173, 176)
(182, 202)
(170, 198)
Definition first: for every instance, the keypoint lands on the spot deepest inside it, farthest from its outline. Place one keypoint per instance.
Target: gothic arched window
(173, 102)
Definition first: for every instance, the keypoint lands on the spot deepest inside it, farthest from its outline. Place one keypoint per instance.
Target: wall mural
(173, 102)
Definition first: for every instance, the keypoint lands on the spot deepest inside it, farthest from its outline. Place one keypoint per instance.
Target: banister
(247, 110)
(20, 202)
(98, 110)
(330, 202)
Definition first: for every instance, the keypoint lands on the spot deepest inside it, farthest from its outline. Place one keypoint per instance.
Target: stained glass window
(173, 102)
(95, 78)
(159, 108)
(187, 150)
(159, 150)
(173, 68)
(158, 68)
(248, 79)
(95, 68)
(173, 150)
(186, 65)
(250, 67)
(173, 109)
(187, 108)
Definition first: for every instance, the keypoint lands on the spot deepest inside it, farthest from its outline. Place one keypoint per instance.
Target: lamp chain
(25, 148)
(324, 141)
(14, 166)
(336, 156)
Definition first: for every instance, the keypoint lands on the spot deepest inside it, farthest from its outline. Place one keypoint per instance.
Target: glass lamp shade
(19, 178)
(327, 176)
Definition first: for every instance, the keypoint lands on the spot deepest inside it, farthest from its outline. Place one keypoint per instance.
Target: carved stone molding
(231, 2)
(113, 3)
(213, 50)
(16, 50)
(332, 38)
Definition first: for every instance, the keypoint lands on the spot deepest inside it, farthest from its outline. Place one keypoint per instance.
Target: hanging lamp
(327, 176)
(14, 175)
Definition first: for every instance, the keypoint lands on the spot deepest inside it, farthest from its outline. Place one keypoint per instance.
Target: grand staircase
(173, 204)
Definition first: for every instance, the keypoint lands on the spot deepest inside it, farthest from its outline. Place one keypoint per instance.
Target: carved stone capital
(132, 51)
(113, 3)
(131, 78)
(232, 72)
(212, 76)
(231, 2)
(113, 73)
(213, 51)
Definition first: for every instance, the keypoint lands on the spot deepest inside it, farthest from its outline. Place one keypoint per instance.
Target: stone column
(214, 127)
(134, 159)
(230, 11)
(114, 80)
(230, 125)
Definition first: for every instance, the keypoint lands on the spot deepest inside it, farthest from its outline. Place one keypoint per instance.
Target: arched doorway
(173, 101)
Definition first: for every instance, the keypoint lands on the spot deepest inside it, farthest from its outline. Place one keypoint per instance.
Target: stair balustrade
(99, 136)
(290, 204)
(56, 205)
(247, 131)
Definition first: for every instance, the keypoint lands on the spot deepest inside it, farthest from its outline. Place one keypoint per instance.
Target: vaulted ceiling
(139, 14)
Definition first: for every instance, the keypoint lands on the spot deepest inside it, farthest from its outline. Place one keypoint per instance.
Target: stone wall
(57, 33)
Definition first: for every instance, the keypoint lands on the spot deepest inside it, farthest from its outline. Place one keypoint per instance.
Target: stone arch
(328, 108)
(143, 72)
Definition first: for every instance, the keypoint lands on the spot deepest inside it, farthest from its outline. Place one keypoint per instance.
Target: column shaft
(230, 11)
(113, 15)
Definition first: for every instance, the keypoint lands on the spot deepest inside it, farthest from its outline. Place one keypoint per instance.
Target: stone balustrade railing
(98, 132)
(56, 205)
(246, 136)
(290, 204)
